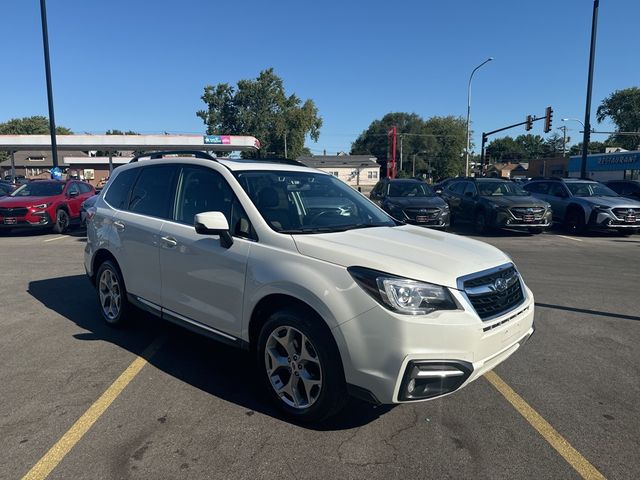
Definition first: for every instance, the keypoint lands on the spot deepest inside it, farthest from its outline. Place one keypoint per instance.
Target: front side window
(306, 202)
(39, 189)
(119, 188)
(410, 189)
(501, 189)
(590, 189)
(73, 188)
(84, 188)
(201, 190)
(469, 188)
(152, 194)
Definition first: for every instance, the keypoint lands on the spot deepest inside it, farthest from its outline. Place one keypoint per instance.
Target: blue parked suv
(582, 205)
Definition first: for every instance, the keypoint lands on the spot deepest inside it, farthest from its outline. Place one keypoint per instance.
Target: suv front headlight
(402, 295)
(42, 205)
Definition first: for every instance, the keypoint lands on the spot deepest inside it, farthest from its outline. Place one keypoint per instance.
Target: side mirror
(469, 194)
(214, 223)
(438, 191)
(73, 193)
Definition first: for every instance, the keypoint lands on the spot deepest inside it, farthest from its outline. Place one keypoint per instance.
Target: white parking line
(570, 238)
(54, 239)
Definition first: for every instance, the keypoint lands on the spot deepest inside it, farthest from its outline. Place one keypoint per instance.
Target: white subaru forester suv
(331, 294)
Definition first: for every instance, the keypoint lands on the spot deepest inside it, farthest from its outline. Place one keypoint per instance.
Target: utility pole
(47, 68)
(468, 140)
(587, 112)
(564, 140)
(285, 145)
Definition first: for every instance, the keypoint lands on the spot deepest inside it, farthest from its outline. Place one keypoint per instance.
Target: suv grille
(430, 213)
(13, 212)
(626, 212)
(494, 293)
(528, 213)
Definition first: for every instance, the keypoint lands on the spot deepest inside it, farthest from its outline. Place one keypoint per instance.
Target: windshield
(410, 189)
(501, 189)
(590, 189)
(301, 202)
(39, 189)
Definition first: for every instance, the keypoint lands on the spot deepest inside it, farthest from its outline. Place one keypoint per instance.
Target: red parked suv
(50, 204)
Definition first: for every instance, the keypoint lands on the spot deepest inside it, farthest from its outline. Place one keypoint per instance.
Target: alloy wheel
(110, 296)
(293, 367)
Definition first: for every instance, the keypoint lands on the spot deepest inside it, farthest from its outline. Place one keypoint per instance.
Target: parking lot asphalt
(195, 411)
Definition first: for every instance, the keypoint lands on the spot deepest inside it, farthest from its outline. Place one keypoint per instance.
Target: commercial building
(359, 171)
(608, 166)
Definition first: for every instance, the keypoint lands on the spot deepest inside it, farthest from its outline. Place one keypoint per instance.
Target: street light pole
(47, 68)
(469, 113)
(587, 112)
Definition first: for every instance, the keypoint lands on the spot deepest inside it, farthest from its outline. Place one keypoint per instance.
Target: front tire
(112, 294)
(575, 222)
(62, 221)
(300, 366)
(480, 222)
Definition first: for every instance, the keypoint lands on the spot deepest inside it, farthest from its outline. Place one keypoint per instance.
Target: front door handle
(169, 242)
(119, 225)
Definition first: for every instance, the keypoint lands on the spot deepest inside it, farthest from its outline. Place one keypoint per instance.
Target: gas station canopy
(216, 143)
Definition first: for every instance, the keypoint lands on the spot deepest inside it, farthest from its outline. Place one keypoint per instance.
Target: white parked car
(332, 295)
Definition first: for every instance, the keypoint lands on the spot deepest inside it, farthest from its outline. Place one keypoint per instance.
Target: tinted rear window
(154, 191)
(118, 192)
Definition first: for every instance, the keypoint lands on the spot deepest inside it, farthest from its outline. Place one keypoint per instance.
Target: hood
(10, 202)
(526, 201)
(407, 251)
(614, 202)
(416, 201)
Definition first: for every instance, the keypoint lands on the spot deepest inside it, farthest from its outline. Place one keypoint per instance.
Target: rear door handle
(169, 242)
(119, 225)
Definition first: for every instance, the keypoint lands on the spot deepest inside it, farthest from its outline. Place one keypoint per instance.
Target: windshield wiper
(335, 228)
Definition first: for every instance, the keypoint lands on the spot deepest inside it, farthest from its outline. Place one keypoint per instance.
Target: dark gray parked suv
(586, 204)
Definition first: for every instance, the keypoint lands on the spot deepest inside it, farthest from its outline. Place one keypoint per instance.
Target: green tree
(623, 108)
(36, 125)
(120, 132)
(436, 143)
(261, 108)
(505, 149)
(554, 144)
(594, 147)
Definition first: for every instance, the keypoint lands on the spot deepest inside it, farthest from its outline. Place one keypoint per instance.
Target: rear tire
(62, 221)
(300, 367)
(112, 294)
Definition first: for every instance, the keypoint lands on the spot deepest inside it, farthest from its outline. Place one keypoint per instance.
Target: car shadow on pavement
(589, 312)
(220, 370)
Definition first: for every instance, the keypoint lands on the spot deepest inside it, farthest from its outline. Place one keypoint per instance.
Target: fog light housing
(432, 378)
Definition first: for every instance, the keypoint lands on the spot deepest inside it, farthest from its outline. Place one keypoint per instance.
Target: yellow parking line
(564, 448)
(53, 239)
(63, 446)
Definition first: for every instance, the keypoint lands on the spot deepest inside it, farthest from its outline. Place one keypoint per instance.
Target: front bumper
(504, 218)
(381, 348)
(607, 220)
(36, 219)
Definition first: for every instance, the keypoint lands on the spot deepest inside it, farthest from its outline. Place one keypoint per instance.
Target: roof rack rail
(163, 153)
(285, 161)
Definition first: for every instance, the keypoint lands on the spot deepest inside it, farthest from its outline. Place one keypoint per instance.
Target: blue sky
(142, 65)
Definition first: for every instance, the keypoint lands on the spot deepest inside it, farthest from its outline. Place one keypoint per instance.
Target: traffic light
(529, 124)
(547, 119)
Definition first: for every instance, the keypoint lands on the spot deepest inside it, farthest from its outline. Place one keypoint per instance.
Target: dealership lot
(195, 410)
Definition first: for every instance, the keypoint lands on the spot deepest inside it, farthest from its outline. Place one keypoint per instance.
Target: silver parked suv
(586, 204)
(332, 295)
